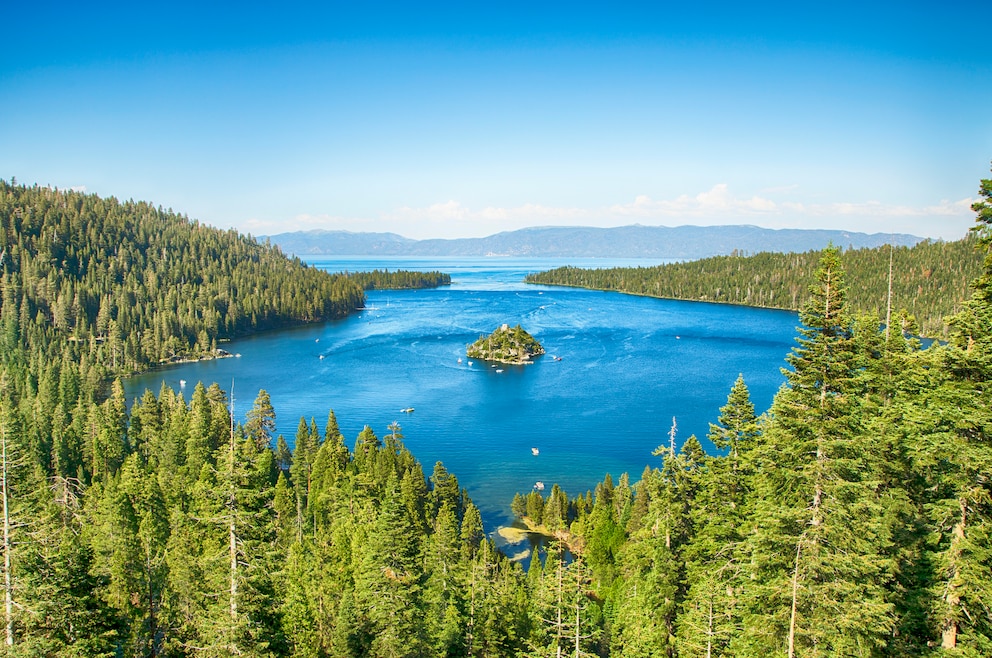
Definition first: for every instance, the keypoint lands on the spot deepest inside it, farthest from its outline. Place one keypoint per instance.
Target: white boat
(535, 452)
(539, 485)
(469, 364)
(499, 370)
(408, 410)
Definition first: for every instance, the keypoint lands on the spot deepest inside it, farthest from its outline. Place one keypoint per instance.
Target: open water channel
(628, 366)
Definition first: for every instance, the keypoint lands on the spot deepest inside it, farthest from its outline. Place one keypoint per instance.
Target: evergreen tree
(261, 421)
(387, 581)
(202, 439)
(958, 458)
(283, 456)
(716, 558)
(817, 499)
(442, 590)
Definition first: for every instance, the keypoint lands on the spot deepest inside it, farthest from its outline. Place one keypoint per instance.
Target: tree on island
(506, 345)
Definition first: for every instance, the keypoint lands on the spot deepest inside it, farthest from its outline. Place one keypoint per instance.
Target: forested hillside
(929, 280)
(125, 285)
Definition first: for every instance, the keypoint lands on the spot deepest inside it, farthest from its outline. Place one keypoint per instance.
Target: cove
(627, 366)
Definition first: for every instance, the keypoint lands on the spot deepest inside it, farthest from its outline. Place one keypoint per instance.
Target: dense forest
(929, 280)
(853, 518)
(399, 279)
(125, 285)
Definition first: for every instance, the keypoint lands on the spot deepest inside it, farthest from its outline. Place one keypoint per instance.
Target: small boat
(469, 364)
(321, 357)
(459, 359)
(539, 485)
(499, 370)
(408, 410)
(535, 452)
(182, 383)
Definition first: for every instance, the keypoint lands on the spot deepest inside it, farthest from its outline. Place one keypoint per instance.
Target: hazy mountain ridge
(635, 241)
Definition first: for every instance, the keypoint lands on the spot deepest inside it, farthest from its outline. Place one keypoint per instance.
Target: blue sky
(465, 119)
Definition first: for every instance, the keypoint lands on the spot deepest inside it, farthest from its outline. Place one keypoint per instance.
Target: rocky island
(506, 345)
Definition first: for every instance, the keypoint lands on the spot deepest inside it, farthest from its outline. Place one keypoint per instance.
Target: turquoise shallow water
(628, 366)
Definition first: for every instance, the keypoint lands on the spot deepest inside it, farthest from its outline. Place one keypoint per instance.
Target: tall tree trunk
(8, 594)
(560, 623)
(949, 633)
(232, 527)
(709, 630)
(152, 624)
(795, 596)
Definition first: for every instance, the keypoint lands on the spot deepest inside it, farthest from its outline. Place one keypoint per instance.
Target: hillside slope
(929, 281)
(133, 285)
(663, 242)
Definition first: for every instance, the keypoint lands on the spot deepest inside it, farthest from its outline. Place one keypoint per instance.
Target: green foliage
(363, 556)
(130, 285)
(506, 345)
(399, 279)
(930, 280)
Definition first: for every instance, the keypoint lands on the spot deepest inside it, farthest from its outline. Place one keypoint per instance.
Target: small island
(506, 345)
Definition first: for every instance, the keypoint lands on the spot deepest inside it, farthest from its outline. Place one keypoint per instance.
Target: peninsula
(506, 345)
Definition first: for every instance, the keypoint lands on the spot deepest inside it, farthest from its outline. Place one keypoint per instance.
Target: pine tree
(817, 498)
(442, 591)
(297, 612)
(283, 456)
(716, 558)
(261, 420)
(202, 442)
(387, 580)
(958, 460)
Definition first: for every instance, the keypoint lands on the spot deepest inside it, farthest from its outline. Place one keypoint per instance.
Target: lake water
(628, 366)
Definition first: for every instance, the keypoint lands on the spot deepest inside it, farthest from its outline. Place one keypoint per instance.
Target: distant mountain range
(680, 242)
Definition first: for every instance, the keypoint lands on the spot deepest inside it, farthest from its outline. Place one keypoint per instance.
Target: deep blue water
(628, 366)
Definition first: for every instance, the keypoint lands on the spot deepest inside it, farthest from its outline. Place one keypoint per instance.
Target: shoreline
(163, 364)
(513, 534)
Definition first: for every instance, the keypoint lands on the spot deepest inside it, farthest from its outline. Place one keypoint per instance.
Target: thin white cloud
(453, 219)
(715, 206)
(717, 202)
(455, 211)
(779, 189)
(877, 209)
